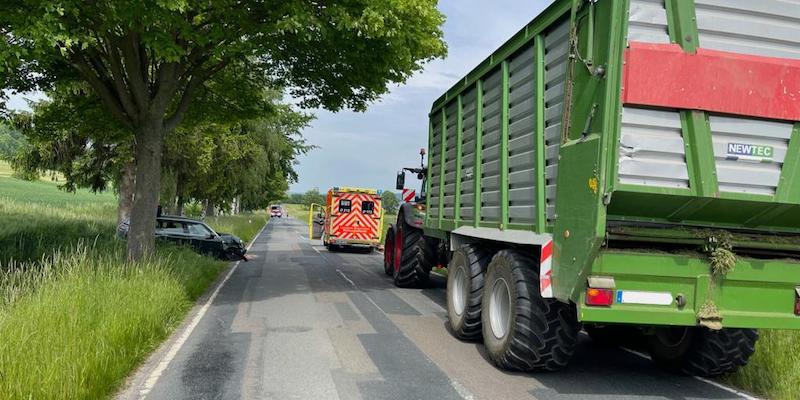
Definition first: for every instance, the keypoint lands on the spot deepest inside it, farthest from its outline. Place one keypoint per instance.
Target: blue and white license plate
(642, 297)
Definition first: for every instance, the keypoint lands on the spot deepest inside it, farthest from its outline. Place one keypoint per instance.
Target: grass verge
(75, 320)
(773, 370)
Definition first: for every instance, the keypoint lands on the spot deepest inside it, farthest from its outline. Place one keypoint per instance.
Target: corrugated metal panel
(764, 27)
(435, 164)
(648, 22)
(490, 153)
(521, 139)
(652, 151)
(468, 134)
(742, 175)
(556, 44)
(450, 161)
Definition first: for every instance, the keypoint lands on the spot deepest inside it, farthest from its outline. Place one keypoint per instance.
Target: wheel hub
(459, 292)
(500, 308)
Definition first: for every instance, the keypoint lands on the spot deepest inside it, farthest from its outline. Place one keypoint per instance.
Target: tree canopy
(148, 61)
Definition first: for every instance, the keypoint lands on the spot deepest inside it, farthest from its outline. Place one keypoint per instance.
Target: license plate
(641, 297)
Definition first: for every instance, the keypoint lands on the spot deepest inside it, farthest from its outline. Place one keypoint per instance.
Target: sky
(367, 149)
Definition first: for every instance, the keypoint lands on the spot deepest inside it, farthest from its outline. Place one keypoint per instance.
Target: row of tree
(243, 162)
(147, 72)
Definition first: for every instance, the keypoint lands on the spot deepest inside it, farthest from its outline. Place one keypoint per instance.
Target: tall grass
(75, 326)
(75, 319)
(245, 226)
(774, 369)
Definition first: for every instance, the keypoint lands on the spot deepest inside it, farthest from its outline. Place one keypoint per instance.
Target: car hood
(229, 239)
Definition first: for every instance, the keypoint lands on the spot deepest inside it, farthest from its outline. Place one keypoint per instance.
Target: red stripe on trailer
(546, 270)
(663, 75)
(409, 195)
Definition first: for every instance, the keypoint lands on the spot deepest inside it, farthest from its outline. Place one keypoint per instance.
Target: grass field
(75, 320)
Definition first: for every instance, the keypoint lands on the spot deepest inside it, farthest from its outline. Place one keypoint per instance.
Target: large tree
(147, 60)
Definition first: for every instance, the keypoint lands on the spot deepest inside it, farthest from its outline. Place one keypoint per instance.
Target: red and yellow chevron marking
(355, 225)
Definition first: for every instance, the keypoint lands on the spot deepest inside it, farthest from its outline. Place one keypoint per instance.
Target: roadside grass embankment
(75, 319)
(773, 371)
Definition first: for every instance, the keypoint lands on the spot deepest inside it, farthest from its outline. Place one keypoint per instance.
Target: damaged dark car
(198, 235)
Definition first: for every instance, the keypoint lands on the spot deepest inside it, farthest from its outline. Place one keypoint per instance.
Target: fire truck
(353, 218)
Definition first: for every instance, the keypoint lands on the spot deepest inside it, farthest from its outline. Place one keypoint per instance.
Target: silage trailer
(626, 164)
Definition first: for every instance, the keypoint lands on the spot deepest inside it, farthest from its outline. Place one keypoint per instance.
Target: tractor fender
(411, 215)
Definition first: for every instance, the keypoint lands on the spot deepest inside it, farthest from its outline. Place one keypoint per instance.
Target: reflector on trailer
(599, 297)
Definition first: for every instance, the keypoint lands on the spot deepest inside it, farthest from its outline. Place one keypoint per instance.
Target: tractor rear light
(599, 297)
(797, 301)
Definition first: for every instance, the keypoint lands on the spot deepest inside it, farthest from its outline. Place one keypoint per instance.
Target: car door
(203, 239)
(171, 231)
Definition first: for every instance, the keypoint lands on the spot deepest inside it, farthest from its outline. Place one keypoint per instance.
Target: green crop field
(75, 319)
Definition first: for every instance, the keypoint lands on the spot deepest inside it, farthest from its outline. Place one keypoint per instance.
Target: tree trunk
(149, 144)
(210, 208)
(126, 188)
(179, 206)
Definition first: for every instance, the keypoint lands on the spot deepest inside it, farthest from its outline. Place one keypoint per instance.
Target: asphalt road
(299, 322)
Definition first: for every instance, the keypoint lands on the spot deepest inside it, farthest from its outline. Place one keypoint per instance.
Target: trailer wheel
(388, 252)
(465, 277)
(413, 256)
(701, 351)
(521, 330)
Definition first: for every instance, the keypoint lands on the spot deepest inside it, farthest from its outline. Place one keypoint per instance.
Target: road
(299, 322)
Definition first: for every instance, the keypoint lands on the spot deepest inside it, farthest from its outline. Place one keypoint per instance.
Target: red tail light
(599, 297)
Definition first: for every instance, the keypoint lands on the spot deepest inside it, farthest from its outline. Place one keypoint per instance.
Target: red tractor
(409, 255)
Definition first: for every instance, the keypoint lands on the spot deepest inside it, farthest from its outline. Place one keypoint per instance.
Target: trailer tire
(416, 257)
(531, 333)
(700, 351)
(465, 280)
(388, 252)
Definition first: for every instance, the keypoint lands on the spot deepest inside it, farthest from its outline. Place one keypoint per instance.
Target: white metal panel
(742, 175)
(647, 22)
(556, 58)
(764, 27)
(652, 151)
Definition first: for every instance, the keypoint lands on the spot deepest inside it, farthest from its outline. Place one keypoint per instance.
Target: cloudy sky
(366, 149)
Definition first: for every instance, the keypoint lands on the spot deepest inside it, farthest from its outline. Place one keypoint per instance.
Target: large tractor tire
(413, 258)
(521, 330)
(388, 251)
(465, 278)
(700, 351)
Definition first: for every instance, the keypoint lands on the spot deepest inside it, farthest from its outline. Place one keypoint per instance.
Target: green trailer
(618, 165)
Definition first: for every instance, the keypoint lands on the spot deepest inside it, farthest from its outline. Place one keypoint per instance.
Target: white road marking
(461, 390)
(164, 363)
(704, 380)
(346, 278)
